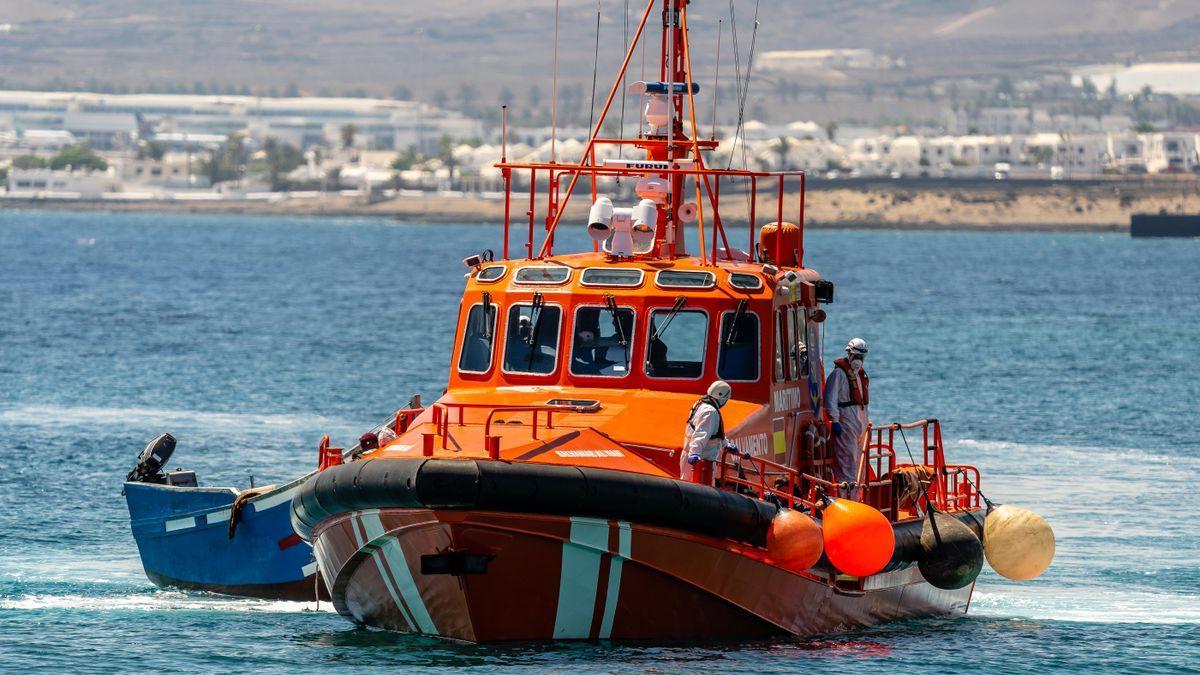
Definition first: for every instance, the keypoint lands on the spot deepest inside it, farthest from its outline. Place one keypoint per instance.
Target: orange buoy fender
(858, 539)
(794, 540)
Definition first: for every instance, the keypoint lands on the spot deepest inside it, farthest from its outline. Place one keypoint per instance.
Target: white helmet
(857, 347)
(720, 391)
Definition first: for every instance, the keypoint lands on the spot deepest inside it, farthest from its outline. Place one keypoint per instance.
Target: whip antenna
(717, 79)
(595, 71)
(554, 91)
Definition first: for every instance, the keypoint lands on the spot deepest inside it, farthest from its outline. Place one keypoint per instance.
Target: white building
(1082, 153)
(819, 59)
(1169, 152)
(113, 121)
(45, 139)
(174, 170)
(986, 150)
(48, 183)
(940, 151)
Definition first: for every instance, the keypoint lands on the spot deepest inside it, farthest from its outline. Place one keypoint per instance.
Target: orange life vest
(859, 392)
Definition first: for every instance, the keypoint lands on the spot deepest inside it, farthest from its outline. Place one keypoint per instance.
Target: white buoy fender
(1017, 542)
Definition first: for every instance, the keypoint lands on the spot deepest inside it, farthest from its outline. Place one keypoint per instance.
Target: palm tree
(783, 147)
(831, 130)
(348, 132)
(446, 154)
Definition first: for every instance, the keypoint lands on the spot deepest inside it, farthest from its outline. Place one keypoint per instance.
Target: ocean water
(1063, 365)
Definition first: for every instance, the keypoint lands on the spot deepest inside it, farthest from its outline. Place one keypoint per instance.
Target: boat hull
(183, 539)
(549, 577)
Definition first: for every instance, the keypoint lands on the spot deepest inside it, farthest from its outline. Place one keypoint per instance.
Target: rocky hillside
(377, 45)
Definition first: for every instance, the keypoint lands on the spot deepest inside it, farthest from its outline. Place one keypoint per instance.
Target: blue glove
(837, 429)
(731, 447)
(692, 459)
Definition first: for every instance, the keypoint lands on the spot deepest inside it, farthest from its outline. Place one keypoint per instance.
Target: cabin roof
(594, 273)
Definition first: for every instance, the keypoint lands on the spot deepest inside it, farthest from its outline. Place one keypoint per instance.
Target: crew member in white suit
(705, 436)
(847, 396)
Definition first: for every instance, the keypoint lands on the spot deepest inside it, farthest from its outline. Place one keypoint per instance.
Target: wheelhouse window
(603, 341)
(749, 282)
(799, 344)
(478, 338)
(492, 273)
(531, 343)
(791, 344)
(618, 276)
(677, 342)
(542, 276)
(685, 279)
(738, 356)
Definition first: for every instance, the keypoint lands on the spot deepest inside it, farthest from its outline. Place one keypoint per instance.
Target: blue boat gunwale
(153, 526)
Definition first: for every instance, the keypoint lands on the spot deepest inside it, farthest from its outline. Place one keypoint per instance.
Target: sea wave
(156, 602)
(75, 416)
(1090, 605)
(1060, 451)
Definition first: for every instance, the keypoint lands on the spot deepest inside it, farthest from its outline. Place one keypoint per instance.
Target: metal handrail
(763, 468)
(607, 170)
(413, 408)
(441, 417)
(535, 409)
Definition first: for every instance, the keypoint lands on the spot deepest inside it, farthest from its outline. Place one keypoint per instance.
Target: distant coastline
(997, 206)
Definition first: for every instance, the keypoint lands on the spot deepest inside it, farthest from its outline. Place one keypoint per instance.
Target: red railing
(952, 487)
(710, 179)
(441, 421)
(787, 485)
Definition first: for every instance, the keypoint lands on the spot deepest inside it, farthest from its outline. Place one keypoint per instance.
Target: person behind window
(532, 343)
(583, 356)
(704, 438)
(846, 401)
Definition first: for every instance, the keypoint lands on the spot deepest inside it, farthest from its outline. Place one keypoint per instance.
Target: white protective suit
(702, 437)
(847, 449)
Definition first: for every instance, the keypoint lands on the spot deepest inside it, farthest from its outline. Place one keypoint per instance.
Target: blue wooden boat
(216, 538)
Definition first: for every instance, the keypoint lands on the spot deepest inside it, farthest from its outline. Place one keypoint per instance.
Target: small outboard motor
(152, 460)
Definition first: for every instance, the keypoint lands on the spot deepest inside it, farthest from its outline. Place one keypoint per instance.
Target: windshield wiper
(658, 332)
(535, 323)
(486, 333)
(610, 304)
(731, 336)
(662, 329)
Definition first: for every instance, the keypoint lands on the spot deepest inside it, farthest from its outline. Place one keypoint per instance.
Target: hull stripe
(217, 516)
(402, 574)
(580, 578)
(360, 540)
(624, 539)
(179, 524)
(274, 500)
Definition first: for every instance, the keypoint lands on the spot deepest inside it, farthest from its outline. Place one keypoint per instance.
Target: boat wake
(1037, 452)
(1089, 606)
(156, 601)
(125, 418)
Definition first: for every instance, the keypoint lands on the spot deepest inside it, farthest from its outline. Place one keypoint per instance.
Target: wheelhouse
(587, 322)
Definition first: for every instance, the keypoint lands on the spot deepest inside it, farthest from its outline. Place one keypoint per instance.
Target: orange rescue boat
(540, 497)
